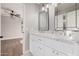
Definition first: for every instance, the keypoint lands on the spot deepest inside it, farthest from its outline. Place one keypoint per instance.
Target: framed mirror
(43, 21)
(66, 16)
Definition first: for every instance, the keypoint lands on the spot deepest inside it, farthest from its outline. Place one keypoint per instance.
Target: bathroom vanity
(44, 44)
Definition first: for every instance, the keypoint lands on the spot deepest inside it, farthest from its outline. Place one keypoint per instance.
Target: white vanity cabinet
(44, 46)
(35, 47)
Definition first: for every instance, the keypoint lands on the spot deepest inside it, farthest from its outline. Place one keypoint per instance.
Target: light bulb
(46, 10)
(43, 8)
(54, 4)
(47, 6)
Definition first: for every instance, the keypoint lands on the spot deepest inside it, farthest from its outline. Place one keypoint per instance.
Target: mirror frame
(39, 28)
(56, 20)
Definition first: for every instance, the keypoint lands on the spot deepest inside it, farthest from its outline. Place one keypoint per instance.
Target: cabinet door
(41, 50)
(77, 18)
(36, 47)
(71, 19)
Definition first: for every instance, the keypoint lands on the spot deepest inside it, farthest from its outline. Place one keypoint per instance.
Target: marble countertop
(56, 36)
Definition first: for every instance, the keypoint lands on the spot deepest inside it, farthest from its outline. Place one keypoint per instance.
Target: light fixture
(54, 4)
(46, 10)
(47, 6)
(43, 8)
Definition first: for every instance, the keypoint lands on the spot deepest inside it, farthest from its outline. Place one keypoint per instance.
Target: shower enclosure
(11, 34)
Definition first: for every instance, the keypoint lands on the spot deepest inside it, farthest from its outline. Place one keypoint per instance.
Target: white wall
(31, 17)
(30, 21)
(17, 7)
(51, 17)
(11, 27)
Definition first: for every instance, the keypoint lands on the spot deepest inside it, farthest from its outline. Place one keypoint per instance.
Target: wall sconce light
(47, 6)
(54, 4)
(43, 8)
